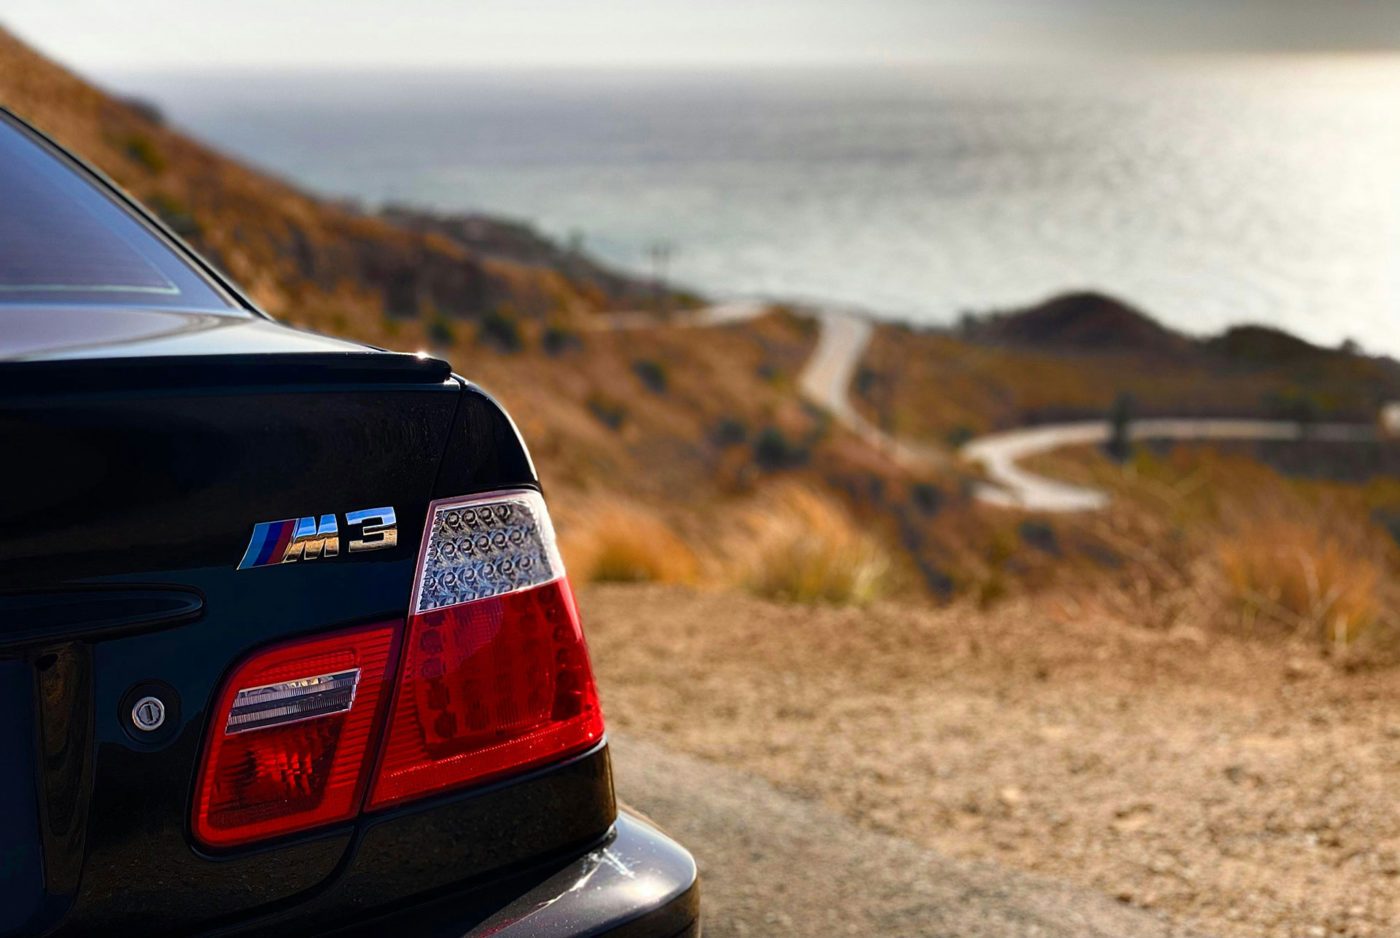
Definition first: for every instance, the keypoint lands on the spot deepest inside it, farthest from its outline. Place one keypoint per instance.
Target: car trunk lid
(134, 485)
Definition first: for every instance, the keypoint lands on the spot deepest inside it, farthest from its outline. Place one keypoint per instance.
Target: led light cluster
(479, 548)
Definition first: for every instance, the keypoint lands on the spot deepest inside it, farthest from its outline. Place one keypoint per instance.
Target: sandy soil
(1236, 786)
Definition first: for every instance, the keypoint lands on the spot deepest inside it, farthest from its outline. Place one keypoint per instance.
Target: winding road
(826, 381)
(1015, 487)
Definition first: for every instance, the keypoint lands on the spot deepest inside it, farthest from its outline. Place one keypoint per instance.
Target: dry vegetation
(803, 547)
(1221, 540)
(940, 387)
(611, 541)
(1307, 582)
(714, 474)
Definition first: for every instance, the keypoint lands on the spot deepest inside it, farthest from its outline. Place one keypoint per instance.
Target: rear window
(65, 241)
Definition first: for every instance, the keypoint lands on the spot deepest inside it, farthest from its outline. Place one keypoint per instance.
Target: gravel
(774, 864)
(1235, 785)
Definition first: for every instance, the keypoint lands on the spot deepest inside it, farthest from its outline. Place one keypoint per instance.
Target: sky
(103, 37)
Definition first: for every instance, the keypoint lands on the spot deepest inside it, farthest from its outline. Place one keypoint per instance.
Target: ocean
(1208, 192)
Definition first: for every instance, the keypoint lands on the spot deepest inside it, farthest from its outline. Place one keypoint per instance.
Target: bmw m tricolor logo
(309, 538)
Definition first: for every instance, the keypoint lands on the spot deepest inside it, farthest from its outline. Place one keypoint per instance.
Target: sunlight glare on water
(1208, 192)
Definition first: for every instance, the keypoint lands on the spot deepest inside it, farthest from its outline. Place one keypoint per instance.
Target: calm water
(1265, 191)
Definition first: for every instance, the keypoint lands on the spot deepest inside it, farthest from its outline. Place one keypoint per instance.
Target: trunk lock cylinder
(148, 714)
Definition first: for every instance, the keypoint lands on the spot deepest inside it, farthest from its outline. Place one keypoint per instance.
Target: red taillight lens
(495, 675)
(291, 732)
(494, 678)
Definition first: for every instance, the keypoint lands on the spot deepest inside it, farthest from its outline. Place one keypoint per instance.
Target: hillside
(519, 243)
(1074, 356)
(299, 257)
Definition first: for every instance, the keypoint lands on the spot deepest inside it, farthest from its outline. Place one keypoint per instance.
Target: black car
(286, 645)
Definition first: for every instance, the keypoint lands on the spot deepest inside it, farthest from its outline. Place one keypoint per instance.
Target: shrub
(176, 215)
(142, 150)
(774, 452)
(652, 374)
(730, 431)
(927, 497)
(559, 339)
(440, 333)
(612, 414)
(866, 379)
(499, 329)
(959, 436)
(806, 548)
(1041, 536)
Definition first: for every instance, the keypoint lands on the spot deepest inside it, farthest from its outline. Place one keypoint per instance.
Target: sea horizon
(1208, 191)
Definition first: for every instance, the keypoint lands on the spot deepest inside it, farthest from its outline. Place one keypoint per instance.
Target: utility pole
(660, 252)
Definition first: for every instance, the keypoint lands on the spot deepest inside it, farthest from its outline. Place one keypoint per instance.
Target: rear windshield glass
(63, 240)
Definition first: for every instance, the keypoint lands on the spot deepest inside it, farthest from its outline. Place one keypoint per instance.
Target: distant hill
(1248, 370)
(297, 255)
(1087, 321)
(1265, 345)
(1095, 322)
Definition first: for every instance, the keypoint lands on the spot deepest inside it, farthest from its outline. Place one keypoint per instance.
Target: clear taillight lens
(292, 730)
(495, 676)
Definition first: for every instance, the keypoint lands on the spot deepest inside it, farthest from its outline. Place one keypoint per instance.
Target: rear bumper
(641, 883)
(637, 884)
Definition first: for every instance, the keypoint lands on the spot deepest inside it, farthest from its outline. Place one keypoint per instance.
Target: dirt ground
(773, 863)
(1233, 785)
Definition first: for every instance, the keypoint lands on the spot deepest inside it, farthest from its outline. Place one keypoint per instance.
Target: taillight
(495, 676)
(292, 731)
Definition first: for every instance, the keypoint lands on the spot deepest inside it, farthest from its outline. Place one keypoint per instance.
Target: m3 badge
(310, 538)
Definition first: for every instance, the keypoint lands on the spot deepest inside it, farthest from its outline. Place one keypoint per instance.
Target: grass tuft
(1292, 575)
(614, 542)
(805, 547)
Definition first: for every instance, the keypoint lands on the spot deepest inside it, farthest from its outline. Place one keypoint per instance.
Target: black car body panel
(143, 446)
(634, 883)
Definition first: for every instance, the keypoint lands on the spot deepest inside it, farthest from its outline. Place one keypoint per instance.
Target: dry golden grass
(1307, 581)
(787, 541)
(803, 546)
(1215, 536)
(612, 541)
